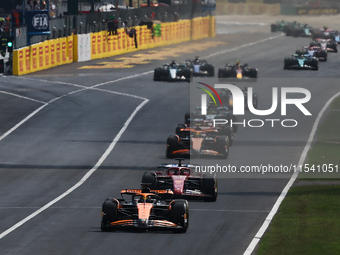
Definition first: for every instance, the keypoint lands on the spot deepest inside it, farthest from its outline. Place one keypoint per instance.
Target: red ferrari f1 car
(183, 181)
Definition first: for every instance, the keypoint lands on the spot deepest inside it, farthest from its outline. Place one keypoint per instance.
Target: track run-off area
(74, 135)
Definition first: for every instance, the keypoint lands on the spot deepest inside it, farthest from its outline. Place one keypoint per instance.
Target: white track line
(22, 122)
(94, 87)
(284, 192)
(85, 177)
(243, 46)
(100, 161)
(34, 100)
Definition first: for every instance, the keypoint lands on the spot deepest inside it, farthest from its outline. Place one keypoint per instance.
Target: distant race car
(145, 210)
(172, 72)
(227, 98)
(314, 51)
(183, 181)
(299, 30)
(207, 124)
(201, 67)
(237, 71)
(197, 142)
(278, 26)
(326, 33)
(213, 112)
(301, 62)
(328, 45)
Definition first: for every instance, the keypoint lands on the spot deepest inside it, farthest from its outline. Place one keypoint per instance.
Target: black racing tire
(179, 127)
(209, 187)
(187, 118)
(211, 71)
(314, 64)
(180, 215)
(222, 146)
(286, 64)
(110, 214)
(272, 28)
(156, 75)
(252, 73)
(228, 131)
(235, 119)
(222, 73)
(187, 75)
(172, 144)
(151, 179)
(219, 73)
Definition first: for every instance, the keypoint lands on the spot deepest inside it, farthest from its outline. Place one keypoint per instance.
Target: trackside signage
(239, 105)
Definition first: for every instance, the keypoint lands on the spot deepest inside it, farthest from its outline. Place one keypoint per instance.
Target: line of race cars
(162, 201)
(325, 41)
(201, 68)
(297, 29)
(209, 134)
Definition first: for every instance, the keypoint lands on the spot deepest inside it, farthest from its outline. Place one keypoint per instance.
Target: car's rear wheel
(156, 75)
(179, 127)
(209, 187)
(235, 126)
(228, 131)
(172, 144)
(150, 179)
(109, 214)
(211, 71)
(180, 215)
(187, 118)
(222, 146)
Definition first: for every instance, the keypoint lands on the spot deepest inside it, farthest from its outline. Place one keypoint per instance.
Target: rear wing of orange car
(140, 191)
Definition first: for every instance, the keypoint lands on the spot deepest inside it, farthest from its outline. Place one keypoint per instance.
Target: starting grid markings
(138, 59)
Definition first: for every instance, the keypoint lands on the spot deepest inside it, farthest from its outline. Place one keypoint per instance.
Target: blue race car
(301, 61)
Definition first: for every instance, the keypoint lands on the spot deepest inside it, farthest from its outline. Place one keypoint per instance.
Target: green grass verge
(307, 223)
(326, 151)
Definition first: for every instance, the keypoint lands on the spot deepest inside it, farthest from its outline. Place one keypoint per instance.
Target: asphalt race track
(113, 124)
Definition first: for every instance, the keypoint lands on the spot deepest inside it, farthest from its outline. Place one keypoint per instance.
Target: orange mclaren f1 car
(146, 210)
(199, 141)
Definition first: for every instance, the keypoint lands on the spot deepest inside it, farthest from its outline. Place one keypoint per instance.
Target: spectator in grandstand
(35, 6)
(43, 5)
(19, 5)
(29, 5)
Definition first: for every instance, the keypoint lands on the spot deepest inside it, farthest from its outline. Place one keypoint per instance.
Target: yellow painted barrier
(93, 46)
(100, 45)
(34, 58)
(104, 44)
(70, 49)
(47, 51)
(41, 56)
(58, 52)
(53, 52)
(19, 61)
